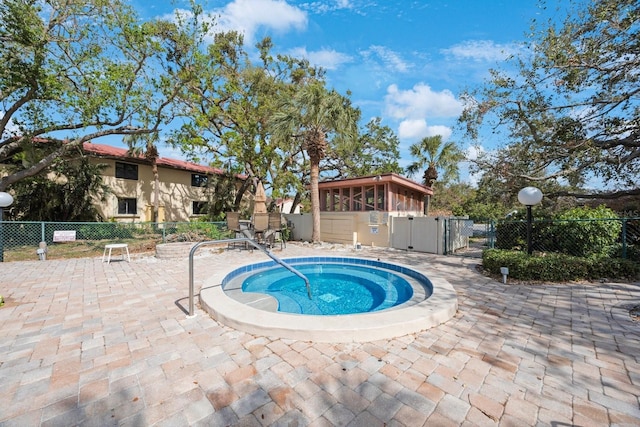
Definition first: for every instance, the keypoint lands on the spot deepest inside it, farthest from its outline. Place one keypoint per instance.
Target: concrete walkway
(88, 343)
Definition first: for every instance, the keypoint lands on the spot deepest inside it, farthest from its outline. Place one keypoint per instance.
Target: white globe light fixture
(529, 196)
(5, 202)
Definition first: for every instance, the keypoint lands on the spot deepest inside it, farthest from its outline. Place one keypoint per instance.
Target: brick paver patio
(88, 343)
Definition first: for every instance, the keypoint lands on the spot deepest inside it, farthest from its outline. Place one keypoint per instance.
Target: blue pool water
(339, 285)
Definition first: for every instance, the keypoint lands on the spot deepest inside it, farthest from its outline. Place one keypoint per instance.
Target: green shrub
(557, 267)
(286, 233)
(511, 234)
(585, 231)
(207, 229)
(18, 234)
(616, 268)
(103, 231)
(633, 252)
(146, 228)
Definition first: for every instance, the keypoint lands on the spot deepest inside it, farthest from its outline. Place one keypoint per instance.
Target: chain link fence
(615, 238)
(20, 240)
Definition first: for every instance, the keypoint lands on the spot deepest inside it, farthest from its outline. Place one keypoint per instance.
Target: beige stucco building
(181, 186)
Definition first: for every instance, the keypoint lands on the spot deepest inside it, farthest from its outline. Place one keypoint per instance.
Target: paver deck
(88, 343)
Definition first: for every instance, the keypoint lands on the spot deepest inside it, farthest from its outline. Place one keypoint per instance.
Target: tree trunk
(156, 191)
(315, 199)
(296, 202)
(240, 194)
(151, 154)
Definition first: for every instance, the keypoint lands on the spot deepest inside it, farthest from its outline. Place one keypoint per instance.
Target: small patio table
(111, 246)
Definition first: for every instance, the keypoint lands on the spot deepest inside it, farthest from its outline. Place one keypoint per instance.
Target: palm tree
(310, 116)
(440, 159)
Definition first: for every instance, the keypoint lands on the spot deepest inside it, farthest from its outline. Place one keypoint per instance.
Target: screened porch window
(369, 197)
(357, 198)
(335, 199)
(380, 197)
(346, 205)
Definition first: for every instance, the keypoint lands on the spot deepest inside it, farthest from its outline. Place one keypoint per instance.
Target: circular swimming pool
(336, 288)
(353, 299)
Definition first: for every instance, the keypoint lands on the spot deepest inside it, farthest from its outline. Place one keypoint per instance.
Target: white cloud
(248, 16)
(473, 151)
(412, 128)
(415, 129)
(481, 50)
(420, 102)
(391, 60)
(320, 7)
(444, 131)
(326, 58)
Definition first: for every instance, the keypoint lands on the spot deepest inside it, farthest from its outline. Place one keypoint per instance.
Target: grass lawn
(79, 249)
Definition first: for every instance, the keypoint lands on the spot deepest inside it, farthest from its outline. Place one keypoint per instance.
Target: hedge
(557, 267)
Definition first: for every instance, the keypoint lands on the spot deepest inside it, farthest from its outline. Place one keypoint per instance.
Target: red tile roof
(102, 150)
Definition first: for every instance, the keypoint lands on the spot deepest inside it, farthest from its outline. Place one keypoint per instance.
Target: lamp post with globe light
(529, 196)
(5, 202)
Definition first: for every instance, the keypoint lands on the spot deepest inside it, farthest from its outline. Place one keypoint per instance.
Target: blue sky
(405, 61)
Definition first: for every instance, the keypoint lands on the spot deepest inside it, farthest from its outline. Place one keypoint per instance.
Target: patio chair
(275, 227)
(233, 224)
(260, 227)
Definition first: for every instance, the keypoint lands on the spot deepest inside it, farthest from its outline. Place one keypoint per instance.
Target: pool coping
(441, 306)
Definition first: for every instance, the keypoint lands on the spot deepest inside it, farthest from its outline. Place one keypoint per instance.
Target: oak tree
(77, 70)
(571, 113)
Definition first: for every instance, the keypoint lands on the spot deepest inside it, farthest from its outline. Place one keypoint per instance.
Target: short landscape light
(505, 272)
(529, 196)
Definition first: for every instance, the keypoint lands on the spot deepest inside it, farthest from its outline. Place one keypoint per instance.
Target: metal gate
(465, 237)
(437, 235)
(420, 234)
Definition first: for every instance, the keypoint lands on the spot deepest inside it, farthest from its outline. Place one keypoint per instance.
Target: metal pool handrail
(242, 239)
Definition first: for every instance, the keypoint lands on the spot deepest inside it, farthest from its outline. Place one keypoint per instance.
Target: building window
(369, 198)
(126, 171)
(335, 200)
(380, 198)
(127, 206)
(357, 198)
(346, 200)
(325, 203)
(199, 208)
(198, 180)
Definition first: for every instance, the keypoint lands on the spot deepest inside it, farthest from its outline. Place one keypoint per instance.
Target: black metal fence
(19, 240)
(615, 238)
